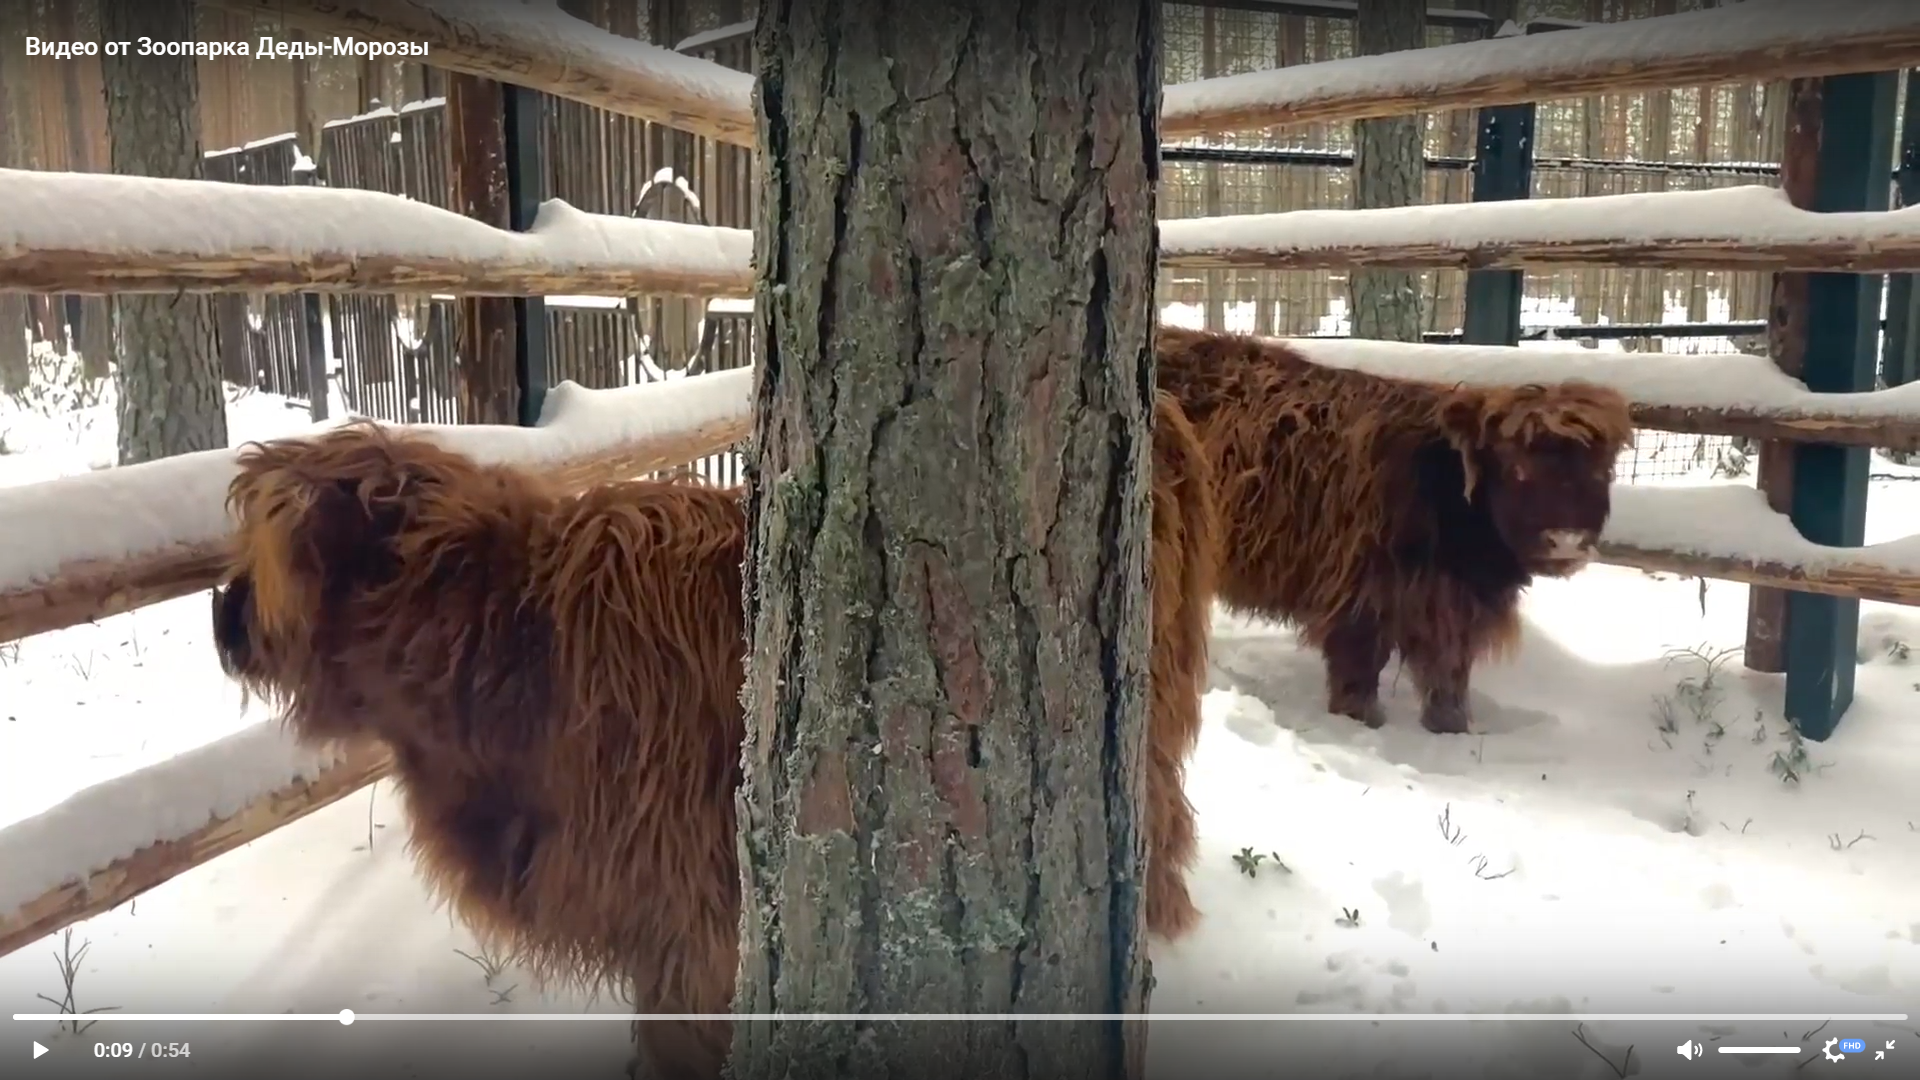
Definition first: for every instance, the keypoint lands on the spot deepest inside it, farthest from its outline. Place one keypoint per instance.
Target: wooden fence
(145, 533)
(395, 357)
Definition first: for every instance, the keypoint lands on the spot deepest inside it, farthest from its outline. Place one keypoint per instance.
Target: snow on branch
(93, 233)
(541, 47)
(118, 539)
(1756, 40)
(1714, 394)
(111, 842)
(1727, 531)
(1736, 228)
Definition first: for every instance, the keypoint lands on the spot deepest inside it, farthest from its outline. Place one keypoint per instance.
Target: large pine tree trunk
(170, 397)
(1389, 169)
(949, 512)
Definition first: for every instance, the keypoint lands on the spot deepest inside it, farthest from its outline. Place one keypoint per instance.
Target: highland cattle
(1381, 514)
(558, 677)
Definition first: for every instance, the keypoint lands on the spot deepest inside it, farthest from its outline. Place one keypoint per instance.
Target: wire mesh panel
(1666, 455)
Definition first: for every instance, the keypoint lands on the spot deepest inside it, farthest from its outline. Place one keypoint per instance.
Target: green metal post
(1843, 323)
(1502, 169)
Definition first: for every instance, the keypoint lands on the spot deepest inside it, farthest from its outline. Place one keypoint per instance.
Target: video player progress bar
(348, 1016)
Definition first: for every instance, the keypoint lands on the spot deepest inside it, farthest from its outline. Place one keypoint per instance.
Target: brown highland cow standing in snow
(559, 677)
(1380, 514)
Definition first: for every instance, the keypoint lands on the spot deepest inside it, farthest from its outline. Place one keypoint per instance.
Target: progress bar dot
(346, 1017)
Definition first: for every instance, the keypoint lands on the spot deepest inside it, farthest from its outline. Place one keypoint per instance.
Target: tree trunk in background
(1389, 169)
(79, 139)
(485, 375)
(170, 396)
(16, 91)
(949, 499)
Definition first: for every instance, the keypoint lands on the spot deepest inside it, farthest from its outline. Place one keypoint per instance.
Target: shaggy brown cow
(1378, 514)
(559, 679)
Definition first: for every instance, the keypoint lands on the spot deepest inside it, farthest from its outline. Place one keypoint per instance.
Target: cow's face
(1539, 462)
(1549, 500)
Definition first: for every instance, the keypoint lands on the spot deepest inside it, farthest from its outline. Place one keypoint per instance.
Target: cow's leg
(696, 980)
(1441, 673)
(678, 1049)
(1172, 836)
(1356, 653)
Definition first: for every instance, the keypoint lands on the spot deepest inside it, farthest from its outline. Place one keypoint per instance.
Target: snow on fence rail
(1705, 394)
(539, 46)
(1759, 39)
(1728, 531)
(95, 233)
(115, 840)
(88, 233)
(1736, 228)
(118, 539)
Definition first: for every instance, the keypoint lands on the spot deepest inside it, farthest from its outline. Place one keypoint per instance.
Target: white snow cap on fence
(1745, 216)
(54, 211)
(147, 509)
(1779, 26)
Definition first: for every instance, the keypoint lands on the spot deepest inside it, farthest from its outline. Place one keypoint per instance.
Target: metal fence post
(1829, 496)
(1502, 169)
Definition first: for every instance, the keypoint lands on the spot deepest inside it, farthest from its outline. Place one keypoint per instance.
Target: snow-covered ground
(1635, 831)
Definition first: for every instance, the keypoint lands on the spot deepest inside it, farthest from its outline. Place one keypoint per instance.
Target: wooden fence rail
(543, 48)
(102, 233)
(112, 541)
(1725, 394)
(276, 240)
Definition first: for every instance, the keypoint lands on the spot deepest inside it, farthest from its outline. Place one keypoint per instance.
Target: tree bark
(948, 501)
(484, 340)
(16, 110)
(79, 140)
(170, 396)
(1389, 169)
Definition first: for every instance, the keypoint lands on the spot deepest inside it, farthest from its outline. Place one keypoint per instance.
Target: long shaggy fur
(1380, 514)
(559, 678)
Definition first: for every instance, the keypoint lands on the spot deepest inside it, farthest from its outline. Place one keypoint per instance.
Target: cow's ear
(1462, 421)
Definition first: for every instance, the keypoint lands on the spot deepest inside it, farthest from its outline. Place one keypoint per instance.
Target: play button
(38, 1050)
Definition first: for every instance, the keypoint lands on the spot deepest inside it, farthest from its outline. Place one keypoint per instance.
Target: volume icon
(1688, 1050)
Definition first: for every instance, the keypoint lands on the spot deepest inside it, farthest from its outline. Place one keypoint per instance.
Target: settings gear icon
(1828, 1051)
